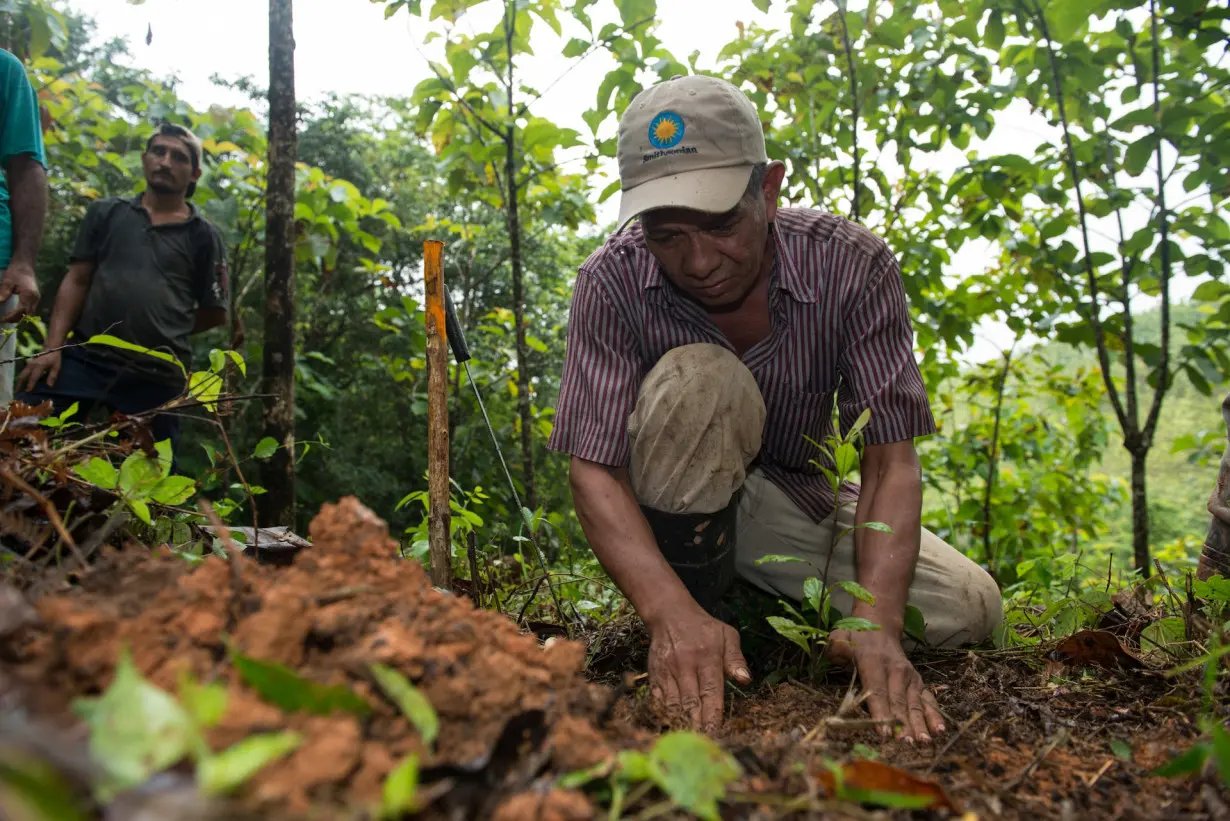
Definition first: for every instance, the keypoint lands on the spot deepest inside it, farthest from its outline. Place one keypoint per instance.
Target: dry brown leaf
(874, 776)
(1094, 647)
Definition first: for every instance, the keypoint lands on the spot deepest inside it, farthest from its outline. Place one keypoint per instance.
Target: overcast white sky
(347, 46)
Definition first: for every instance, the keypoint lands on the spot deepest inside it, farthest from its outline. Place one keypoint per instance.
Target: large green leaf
(414, 705)
(694, 771)
(400, 791)
(136, 729)
(281, 686)
(228, 770)
(1067, 17)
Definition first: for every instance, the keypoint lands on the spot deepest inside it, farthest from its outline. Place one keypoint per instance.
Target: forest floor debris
(517, 720)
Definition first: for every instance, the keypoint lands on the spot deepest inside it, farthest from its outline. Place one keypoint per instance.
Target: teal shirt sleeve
(20, 127)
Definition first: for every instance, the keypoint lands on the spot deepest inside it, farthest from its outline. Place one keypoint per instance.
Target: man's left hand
(19, 279)
(895, 689)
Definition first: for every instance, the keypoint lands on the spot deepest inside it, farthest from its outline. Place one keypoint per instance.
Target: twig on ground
(939, 756)
(530, 600)
(1060, 738)
(1110, 762)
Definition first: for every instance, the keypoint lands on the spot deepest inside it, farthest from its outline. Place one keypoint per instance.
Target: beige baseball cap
(689, 142)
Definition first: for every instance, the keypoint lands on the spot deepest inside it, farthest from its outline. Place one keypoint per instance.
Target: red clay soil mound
(509, 709)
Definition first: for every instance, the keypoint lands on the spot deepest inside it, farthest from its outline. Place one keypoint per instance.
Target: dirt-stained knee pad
(696, 428)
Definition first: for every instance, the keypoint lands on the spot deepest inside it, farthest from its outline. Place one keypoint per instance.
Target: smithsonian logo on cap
(665, 132)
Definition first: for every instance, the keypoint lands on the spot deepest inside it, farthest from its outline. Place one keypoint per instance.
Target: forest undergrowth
(196, 677)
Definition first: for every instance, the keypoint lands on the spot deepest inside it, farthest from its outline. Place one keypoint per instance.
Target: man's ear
(196, 173)
(774, 175)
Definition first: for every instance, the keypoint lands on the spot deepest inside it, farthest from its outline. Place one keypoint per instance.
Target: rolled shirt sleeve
(601, 375)
(877, 364)
(21, 131)
(92, 232)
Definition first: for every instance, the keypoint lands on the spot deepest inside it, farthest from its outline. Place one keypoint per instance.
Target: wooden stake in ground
(437, 419)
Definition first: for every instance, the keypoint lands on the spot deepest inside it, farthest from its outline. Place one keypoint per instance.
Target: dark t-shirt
(149, 280)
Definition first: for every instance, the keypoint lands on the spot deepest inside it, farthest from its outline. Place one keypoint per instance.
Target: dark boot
(700, 547)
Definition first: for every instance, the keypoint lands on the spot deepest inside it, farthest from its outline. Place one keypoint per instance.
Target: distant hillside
(1178, 489)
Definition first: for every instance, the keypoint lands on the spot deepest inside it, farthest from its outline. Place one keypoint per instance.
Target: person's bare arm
(207, 318)
(27, 181)
(891, 493)
(69, 300)
(690, 650)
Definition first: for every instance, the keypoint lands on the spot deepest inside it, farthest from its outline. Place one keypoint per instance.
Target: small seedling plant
(839, 458)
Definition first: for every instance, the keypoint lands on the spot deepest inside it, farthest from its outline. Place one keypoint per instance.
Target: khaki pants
(696, 429)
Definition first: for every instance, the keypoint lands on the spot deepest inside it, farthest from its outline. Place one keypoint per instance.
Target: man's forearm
(886, 561)
(69, 300)
(623, 542)
(28, 203)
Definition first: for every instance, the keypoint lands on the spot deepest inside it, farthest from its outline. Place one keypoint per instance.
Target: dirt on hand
(347, 602)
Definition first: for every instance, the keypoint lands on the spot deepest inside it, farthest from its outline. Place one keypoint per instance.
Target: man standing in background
(23, 208)
(149, 270)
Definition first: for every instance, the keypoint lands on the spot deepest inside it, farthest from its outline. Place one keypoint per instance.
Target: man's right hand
(47, 363)
(690, 656)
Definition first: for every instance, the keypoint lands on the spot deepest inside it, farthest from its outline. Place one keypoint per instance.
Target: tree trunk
(523, 349)
(277, 505)
(1140, 512)
(513, 217)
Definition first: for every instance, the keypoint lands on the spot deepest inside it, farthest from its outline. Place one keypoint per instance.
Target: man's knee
(696, 427)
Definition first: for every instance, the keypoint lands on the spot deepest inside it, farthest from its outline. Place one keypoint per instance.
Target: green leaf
(845, 459)
(1138, 154)
(791, 630)
(858, 591)
(173, 490)
(136, 729)
(915, 624)
(777, 557)
(1187, 763)
(206, 703)
(414, 705)
(1067, 17)
(879, 527)
(265, 448)
(98, 471)
(116, 342)
(1221, 753)
(763, 5)
(813, 592)
(142, 510)
(237, 358)
(609, 191)
(286, 689)
(852, 623)
(205, 387)
(694, 771)
(139, 474)
(1121, 749)
(995, 30)
(1162, 634)
(400, 792)
(859, 423)
(575, 48)
(225, 772)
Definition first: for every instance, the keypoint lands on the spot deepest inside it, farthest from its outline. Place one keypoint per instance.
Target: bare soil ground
(1027, 739)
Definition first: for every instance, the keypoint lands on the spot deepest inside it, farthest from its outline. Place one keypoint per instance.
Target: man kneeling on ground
(705, 343)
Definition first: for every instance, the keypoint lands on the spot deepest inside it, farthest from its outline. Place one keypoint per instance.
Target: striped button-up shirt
(840, 330)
